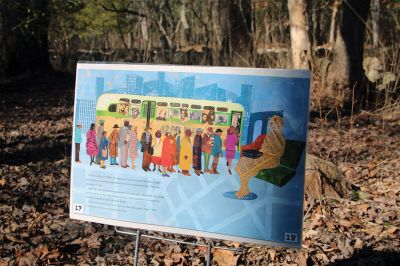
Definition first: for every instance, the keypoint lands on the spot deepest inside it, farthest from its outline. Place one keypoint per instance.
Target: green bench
(280, 175)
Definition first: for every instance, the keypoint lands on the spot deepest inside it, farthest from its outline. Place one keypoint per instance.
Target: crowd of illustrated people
(170, 151)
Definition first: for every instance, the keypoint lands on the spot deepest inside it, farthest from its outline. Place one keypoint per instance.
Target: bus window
(175, 104)
(162, 113)
(184, 115)
(123, 108)
(136, 101)
(222, 109)
(162, 104)
(185, 105)
(211, 108)
(195, 115)
(112, 108)
(125, 100)
(222, 119)
(174, 113)
(236, 120)
(135, 110)
(208, 117)
(195, 106)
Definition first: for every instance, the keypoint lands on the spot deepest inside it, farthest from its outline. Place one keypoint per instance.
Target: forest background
(351, 46)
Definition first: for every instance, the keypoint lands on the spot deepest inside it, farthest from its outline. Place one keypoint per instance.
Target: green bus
(158, 112)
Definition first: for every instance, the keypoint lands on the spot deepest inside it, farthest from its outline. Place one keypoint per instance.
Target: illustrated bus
(158, 112)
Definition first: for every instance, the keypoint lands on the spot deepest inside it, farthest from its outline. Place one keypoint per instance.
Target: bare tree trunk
(375, 14)
(300, 42)
(315, 21)
(346, 74)
(267, 26)
(334, 19)
(219, 16)
(185, 25)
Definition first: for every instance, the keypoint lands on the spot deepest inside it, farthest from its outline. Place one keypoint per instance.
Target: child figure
(103, 150)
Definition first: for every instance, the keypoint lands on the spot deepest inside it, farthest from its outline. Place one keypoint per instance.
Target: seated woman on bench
(268, 156)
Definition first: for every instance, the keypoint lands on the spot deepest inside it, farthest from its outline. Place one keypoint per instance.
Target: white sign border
(289, 73)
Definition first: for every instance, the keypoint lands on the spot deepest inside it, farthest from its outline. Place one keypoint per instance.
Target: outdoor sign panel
(215, 152)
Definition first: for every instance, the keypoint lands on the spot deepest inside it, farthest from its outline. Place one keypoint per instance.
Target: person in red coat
(166, 154)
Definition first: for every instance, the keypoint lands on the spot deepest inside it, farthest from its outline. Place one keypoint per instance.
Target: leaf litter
(35, 139)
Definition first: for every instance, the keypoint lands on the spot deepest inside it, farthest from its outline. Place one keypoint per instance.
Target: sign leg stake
(137, 241)
(208, 254)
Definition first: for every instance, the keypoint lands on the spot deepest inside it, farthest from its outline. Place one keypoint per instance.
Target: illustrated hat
(218, 130)
(101, 122)
(79, 123)
(209, 129)
(115, 126)
(199, 130)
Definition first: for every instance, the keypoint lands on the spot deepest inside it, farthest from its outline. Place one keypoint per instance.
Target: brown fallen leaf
(302, 258)
(345, 223)
(310, 233)
(272, 254)
(168, 262)
(54, 254)
(93, 240)
(391, 230)
(179, 259)
(373, 229)
(2, 182)
(225, 257)
(41, 251)
(13, 239)
(358, 244)
(322, 257)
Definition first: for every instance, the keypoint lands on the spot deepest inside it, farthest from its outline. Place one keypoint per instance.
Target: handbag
(253, 154)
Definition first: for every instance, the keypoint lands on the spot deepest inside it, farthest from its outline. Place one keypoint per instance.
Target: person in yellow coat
(186, 153)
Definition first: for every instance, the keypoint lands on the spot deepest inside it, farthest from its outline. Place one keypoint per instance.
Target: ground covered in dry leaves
(35, 136)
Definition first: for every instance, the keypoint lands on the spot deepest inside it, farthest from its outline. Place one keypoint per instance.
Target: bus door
(149, 111)
(236, 120)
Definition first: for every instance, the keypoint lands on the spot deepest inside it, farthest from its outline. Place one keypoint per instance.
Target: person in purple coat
(230, 146)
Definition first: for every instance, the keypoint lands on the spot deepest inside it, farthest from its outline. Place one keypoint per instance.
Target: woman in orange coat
(166, 154)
